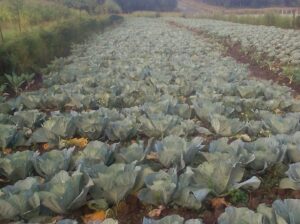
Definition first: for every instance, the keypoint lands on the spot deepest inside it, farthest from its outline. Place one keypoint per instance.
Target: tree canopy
(126, 5)
(154, 5)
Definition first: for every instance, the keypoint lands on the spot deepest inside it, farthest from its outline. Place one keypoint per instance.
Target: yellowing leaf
(78, 142)
(7, 151)
(98, 216)
(45, 147)
(218, 202)
(156, 212)
(152, 156)
(245, 138)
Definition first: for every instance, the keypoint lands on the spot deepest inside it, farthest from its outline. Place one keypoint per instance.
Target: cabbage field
(152, 114)
(282, 45)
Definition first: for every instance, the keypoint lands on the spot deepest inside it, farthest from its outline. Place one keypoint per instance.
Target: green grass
(33, 12)
(268, 19)
(31, 51)
(152, 14)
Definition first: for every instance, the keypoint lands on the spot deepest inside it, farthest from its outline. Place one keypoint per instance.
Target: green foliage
(16, 7)
(292, 72)
(253, 3)
(30, 52)
(268, 19)
(20, 15)
(150, 5)
(238, 197)
(2, 88)
(110, 6)
(297, 22)
(16, 81)
(273, 175)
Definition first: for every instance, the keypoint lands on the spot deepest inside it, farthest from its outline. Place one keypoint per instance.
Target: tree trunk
(19, 21)
(1, 34)
(294, 19)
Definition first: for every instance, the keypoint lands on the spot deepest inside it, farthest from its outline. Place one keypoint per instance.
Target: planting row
(161, 87)
(275, 43)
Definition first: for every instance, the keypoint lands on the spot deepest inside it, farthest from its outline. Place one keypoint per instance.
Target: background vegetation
(34, 50)
(150, 5)
(253, 3)
(34, 32)
(268, 19)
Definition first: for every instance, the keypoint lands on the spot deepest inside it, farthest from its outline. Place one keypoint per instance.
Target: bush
(110, 6)
(32, 51)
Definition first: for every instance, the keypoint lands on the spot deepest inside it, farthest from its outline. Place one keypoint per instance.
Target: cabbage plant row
(168, 119)
(276, 43)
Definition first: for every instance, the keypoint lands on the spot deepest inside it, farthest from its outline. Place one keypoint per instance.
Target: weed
(272, 176)
(292, 72)
(238, 197)
(16, 81)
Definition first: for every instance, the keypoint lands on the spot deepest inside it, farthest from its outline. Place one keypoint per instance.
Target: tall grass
(30, 14)
(31, 51)
(268, 19)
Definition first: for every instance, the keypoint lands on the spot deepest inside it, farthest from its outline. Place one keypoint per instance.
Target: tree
(153, 5)
(2, 18)
(110, 6)
(1, 32)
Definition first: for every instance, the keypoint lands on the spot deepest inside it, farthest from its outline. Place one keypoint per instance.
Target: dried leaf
(245, 138)
(57, 218)
(152, 156)
(7, 151)
(122, 207)
(78, 142)
(45, 147)
(156, 212)
(218, 202)
(98, 216)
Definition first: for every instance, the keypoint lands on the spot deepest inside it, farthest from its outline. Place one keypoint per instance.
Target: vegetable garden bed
(148, 123)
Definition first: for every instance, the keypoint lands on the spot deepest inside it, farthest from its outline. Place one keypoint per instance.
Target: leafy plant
(16, 166)
(2, 88)
(115, 182)
(292, 72)
(65, 192)
(238, 197)
(288, 210)
(234, 215)
(20, 199)
(160, 187)
(8, 133)
(48, 164)
(16, 81)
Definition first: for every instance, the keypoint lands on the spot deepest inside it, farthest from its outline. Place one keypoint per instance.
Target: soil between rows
(256, 69)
